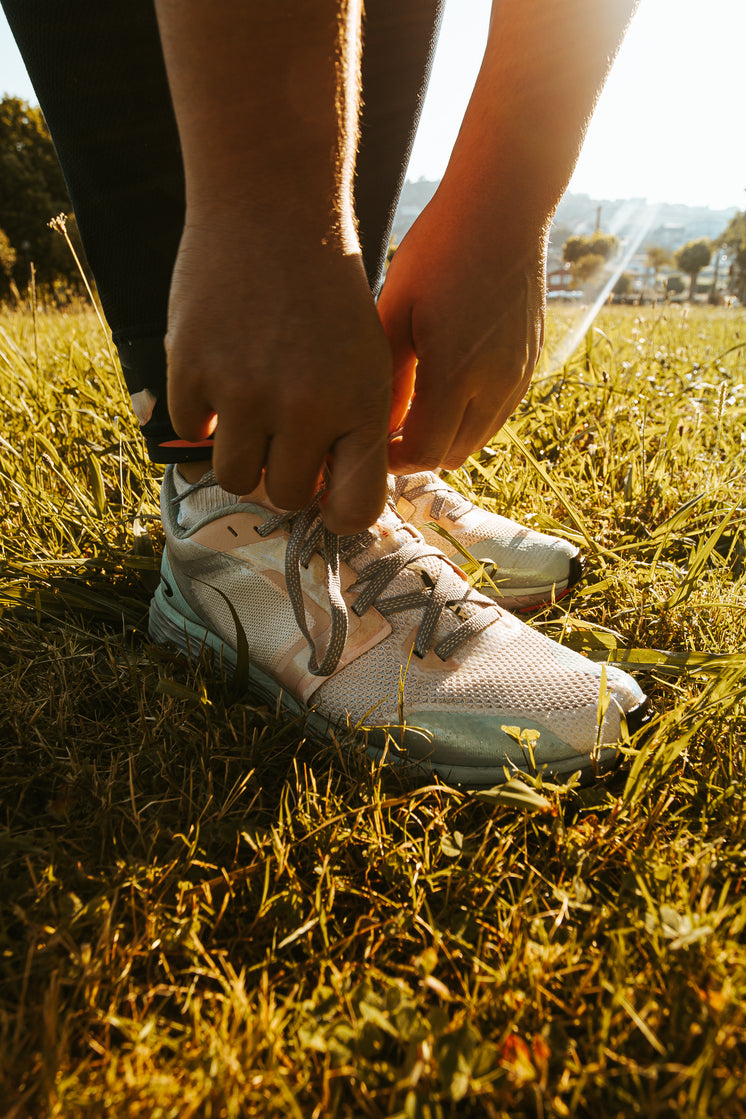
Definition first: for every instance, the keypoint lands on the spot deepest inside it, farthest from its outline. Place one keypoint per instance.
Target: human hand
(277, 346)
(463, 301)
(464, 295)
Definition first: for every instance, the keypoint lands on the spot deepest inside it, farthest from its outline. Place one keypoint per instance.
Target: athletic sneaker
(529, 569)
(380, 633)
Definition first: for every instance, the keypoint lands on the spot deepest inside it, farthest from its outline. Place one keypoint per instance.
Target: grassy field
(206, 913)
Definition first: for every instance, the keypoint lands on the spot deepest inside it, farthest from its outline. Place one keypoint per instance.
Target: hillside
(667, 224)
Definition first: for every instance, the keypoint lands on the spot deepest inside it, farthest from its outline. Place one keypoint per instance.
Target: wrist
(273, 224)
(497, 230)
(543, 68)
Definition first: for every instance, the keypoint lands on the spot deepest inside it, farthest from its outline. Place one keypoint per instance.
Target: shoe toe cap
(528, 558)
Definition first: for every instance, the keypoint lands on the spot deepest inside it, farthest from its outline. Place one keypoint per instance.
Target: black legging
(98, 71)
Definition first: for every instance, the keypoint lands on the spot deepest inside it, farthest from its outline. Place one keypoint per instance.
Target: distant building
(669, 236)
(636, 222)
(559, 279)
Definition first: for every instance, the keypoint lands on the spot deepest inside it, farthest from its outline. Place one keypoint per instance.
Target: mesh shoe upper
(381, 630)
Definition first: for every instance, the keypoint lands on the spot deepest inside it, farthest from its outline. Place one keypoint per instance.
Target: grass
(207, 913)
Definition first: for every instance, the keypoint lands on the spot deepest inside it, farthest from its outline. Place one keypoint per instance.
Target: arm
(272, 326)
(464, 295)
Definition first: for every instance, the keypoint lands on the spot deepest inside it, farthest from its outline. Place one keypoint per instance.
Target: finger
(239, 454)
(480, 424)
(402, 390)
(475, 432)
(429, 429)
(192, 415)
(517, 395)
(397, 325)
(293, 469)
(357, 487)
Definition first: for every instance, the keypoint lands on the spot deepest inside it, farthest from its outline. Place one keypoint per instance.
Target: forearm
(265, 96)
(544, 66)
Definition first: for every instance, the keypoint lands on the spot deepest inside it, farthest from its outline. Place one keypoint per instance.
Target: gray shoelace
(446, 501)
(204, 482)
(309, 535)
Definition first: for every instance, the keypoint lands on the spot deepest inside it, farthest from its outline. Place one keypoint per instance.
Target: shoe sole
(560, 770)
(172, 622)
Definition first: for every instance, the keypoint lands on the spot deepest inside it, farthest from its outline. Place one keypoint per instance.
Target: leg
(399, 38)
(98, 73)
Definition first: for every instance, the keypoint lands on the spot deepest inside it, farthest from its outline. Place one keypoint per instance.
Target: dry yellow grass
(206, 913)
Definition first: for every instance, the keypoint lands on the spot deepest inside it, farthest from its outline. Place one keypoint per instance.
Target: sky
(669, 125)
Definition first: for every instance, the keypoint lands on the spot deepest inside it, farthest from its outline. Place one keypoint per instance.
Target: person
(234, 169)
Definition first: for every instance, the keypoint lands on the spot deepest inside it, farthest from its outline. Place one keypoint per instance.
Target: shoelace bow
(445, 500)
(309, 535)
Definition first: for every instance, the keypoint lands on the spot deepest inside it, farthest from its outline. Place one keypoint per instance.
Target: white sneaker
(530, 569)
(401, 647)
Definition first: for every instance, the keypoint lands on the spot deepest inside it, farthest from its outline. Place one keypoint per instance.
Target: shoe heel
(171, 621)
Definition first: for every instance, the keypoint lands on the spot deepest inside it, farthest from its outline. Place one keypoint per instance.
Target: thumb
(397, 324)
(193, 418)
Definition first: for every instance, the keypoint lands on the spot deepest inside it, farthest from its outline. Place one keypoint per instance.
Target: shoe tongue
(390, 534)
(387, 535)
(424, 478)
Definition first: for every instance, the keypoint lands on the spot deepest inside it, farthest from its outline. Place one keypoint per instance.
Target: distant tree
(600, 244)
(623, 286)
(733, 238)
(587, 255)
(604, 244)
(32, 191)
(657, 257)
(674, 285)
(574, 248)
(586, 268)
(692, 258)
(7, 256)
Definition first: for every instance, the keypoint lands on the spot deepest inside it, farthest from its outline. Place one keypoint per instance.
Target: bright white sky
(670, 123)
